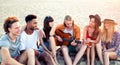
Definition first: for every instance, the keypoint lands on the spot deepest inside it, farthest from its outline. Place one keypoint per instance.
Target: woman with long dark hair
(48, 39)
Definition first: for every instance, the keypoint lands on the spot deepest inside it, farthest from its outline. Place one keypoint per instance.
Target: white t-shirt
(68, 31)
(29, 41)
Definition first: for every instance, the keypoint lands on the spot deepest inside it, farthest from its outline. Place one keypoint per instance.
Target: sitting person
(91, 37)
(30, 37)
(72, 31)
(110, 40)
(10, 44)
(48, 33)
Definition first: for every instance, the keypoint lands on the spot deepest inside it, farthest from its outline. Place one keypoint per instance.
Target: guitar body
(66, 37)
(63, 36)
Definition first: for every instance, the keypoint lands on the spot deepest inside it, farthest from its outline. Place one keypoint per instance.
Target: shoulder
(59, 26)
(4, 40)
(23, 34)
(86, 27)
(76, 26)
(117, 34)
(4, 37)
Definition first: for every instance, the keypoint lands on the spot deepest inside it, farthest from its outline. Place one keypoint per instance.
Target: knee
(30, 51)
(106, 54)
(64, 49)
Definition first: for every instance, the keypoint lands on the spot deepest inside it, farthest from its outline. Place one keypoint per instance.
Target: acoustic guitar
(66, 37)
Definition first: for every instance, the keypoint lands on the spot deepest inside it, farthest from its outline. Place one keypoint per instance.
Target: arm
(42, 33)
(76, 32)
(84, 35)
(52, 32)
(117, 42)
(97, 40)
(42, 43)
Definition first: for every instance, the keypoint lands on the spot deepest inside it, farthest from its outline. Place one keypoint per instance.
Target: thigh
(112, 55)
(64, 48)
(23, 57)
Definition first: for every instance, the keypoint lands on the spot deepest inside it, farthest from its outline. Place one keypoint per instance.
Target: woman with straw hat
(110, 40)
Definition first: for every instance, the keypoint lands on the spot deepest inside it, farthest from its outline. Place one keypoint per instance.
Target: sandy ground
(78, 9)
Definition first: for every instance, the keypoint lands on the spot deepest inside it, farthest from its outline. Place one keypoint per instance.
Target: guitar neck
(70, 40)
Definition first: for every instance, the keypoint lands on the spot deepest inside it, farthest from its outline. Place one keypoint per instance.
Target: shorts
(40, 49)
(47, 45)
(72, 49)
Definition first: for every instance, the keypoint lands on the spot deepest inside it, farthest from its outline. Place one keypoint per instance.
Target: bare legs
(99, 52)
(53, 48)
(80, 54)
(92, 54)
(66, 55)
(88, 56)
(6, 58)
(47, 58)
(91, 51)
(28, 56)
(109, 55)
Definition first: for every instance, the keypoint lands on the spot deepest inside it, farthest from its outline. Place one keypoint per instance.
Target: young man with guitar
(68, 36)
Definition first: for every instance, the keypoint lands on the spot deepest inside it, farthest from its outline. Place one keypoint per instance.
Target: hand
(59, 38)
(104, 48)
(88, 40)
(73, 43)
(36, 52)
(52, 54)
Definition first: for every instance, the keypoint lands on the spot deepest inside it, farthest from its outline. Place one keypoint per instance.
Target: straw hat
(109, 21)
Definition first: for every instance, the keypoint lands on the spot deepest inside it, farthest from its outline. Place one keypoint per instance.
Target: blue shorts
(40, 49)
(47, 44)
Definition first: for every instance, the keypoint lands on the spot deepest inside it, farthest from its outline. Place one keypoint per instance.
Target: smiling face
(51, 24)
(33, 24)
(106, 25)
(15, 29)
(92, 22)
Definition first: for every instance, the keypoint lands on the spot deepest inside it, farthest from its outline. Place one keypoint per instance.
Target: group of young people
(29, 44)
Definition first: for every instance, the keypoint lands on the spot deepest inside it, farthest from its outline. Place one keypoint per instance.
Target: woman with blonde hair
(110, 40)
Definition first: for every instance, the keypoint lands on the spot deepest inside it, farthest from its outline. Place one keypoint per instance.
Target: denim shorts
(40, 49)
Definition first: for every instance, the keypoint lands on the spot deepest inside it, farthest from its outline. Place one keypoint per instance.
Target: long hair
(68, 18)
(107, 34)
(97, 30)
(46, 27)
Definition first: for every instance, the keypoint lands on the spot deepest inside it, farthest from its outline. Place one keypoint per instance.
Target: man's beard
(32, 28)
